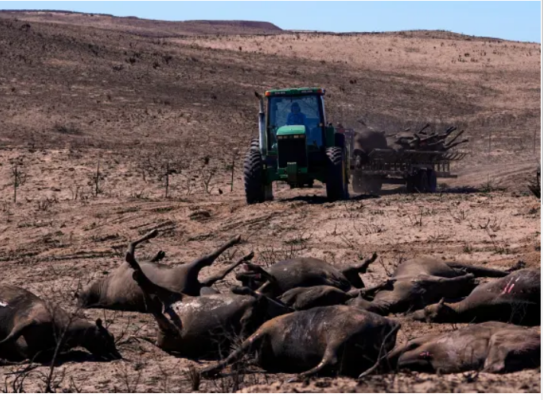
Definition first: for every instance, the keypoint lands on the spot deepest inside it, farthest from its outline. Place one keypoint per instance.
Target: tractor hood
(291, 130)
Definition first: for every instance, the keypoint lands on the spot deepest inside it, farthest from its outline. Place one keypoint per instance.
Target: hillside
(143, 27)
(97, 111)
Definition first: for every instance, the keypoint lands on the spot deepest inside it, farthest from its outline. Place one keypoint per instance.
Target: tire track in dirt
(505, 175)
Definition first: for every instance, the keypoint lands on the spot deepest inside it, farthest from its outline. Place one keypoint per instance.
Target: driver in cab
(296, 117)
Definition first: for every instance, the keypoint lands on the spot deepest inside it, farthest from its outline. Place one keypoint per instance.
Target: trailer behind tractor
(297, 145)
(418, 170)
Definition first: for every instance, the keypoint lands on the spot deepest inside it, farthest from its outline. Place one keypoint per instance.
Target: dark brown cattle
(203, 326)
(304, 298)
(364, 142)
(322, 340)
(118, 290)
(515, 298)
(422, 281)
(29, 327)
(304, 272)
(490, 346)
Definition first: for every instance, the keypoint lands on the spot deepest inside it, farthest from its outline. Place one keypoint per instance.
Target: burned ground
(93, 118)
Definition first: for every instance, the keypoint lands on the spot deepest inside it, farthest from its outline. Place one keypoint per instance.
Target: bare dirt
(95, 110)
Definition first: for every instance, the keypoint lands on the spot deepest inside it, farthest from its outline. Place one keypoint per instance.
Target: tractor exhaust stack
(261, 125)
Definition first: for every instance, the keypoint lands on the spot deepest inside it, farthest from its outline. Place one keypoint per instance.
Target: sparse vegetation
(139, 115)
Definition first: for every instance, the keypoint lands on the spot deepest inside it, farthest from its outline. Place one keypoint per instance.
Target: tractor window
(298, 110)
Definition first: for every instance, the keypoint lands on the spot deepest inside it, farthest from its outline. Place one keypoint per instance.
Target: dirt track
(70, 104)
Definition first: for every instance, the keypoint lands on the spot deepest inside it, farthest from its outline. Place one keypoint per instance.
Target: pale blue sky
(508, 20)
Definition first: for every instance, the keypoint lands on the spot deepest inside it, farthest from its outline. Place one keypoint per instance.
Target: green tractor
(295, 145)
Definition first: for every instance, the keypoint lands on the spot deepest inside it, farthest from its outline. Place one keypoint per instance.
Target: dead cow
(29, 327)
(304, 298)
(322, 340)
(304, 272)
(515, 298)
(202, 326)
(118, 290)
(422, 281)
(490, 346)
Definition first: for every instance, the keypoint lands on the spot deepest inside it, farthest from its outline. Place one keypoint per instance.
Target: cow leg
(245, 321)
(329, 360)
(159, 256)
(448, 287)
(164, 324)
(351, 272)
(149, 289)
(271, 281)
(209, 259)
(221, 275)
(193, 269)
(398, 351)
(372, 291)
(479, 272)
(245, 347)
(363, 266)
(150, 235)
(17, 331)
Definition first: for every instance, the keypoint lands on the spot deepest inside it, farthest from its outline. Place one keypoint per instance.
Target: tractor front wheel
(253, 171)
(336, 177)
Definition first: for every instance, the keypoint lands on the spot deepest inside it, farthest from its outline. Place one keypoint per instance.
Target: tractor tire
(432, 181)
(336, 177)
(255, 144)
(410, 184)
(253, 173)
(366, 184)
(421, 181)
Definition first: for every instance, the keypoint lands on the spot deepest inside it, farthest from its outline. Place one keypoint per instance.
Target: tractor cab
(300, 108)
(295, 145)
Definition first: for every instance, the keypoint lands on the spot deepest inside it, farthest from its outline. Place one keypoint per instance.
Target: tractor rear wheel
(410, 184)
(432, 181)
(336, 176)
(253, 171)
(255, 144)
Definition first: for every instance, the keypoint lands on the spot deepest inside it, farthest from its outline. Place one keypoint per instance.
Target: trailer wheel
(375, 186)
(432, 181)
(253, 171)
(421, 181)
(410, 184)
(336, 178)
